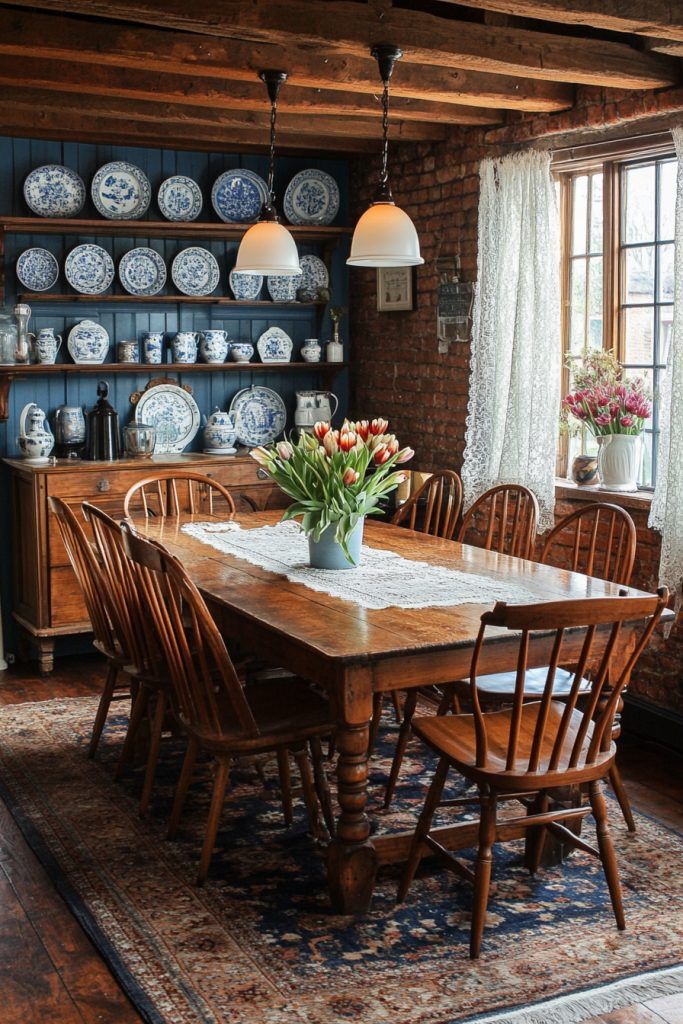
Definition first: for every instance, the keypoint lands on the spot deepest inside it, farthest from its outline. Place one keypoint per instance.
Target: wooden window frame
(610, 159)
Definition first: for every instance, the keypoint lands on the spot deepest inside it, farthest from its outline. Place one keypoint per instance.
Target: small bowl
(139, 440)
(241, 352)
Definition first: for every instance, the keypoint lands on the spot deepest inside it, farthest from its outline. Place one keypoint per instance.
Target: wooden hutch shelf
(9, 373)
(161, 228)
(215, 300)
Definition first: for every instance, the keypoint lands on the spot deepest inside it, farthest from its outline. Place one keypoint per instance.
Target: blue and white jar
(152, 346)
(185, 345)
(214, 345)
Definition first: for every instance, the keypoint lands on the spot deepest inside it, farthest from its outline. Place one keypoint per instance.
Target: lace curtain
(515, 367)
(666, 514)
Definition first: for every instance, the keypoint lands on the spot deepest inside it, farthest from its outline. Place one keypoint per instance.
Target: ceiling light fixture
(268, 247)
(385, 236)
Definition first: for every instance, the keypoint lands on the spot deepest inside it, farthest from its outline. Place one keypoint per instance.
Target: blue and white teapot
(35, 440)
(219, 433)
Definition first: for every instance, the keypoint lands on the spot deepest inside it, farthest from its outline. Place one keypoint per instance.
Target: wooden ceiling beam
(217, 94)
(235, 124)
(347, 27)
(66, 125)
(663, 18)
(29, 34)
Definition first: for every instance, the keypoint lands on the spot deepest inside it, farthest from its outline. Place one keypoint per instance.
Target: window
(618, 279)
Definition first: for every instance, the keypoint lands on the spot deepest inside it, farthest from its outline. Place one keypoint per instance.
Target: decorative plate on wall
(173, 412)
(89, 269)
(88, 342)
(54, 191)
(195, 271)
(180, 198)
(314, 273)
(238, 196)
(274, 346)
(121, 191)
(259, 415)
(37, 269)
(312, 197)
(246, 287)
(142, 271)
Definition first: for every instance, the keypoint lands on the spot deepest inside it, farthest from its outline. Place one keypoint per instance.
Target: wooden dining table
(355, 652)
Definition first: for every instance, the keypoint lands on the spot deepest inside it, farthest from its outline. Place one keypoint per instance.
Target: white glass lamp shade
(268, 248)
(385, 236)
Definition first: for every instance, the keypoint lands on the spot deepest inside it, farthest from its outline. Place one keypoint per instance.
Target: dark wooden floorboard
(49, 969)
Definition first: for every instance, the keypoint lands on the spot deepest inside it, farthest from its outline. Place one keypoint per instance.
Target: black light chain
(271, 168)
(384, 175)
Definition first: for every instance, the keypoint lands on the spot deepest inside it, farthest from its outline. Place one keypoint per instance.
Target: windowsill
(571, 491)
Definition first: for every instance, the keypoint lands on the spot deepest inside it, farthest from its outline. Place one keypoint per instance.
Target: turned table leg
(351, 859)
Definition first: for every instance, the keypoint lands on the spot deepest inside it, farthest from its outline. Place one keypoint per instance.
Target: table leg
(352, 859)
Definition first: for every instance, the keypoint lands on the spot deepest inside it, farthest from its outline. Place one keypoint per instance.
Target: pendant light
(385, 236)
(268, 247)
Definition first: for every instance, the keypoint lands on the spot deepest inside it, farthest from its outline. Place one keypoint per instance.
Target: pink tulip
(380, 455)
(350, 477)
(320, 429)
(405, 455)
(603, 419)
(379, 426)
(284, 450)
(627, 421)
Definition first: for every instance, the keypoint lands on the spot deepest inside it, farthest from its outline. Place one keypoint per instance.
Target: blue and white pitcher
(185, 345)
(46, 345)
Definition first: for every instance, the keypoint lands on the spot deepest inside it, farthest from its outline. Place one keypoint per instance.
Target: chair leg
(182, 787)
(617, 784)
(422, 829)
(609, 861)
(103, 707)
(396, 701)
(309, 794)
(409, 706)
(322, 786)
(217, 799)
(536, 842)
(153, 752)
(482, 871)
(137, 714)
(377, 703)
(285, 785)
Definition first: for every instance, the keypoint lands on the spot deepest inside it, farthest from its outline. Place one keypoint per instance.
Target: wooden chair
(221, 718)
(530, 749)
(107, 635)
(435, 507)
(503, 519)
(171, 492)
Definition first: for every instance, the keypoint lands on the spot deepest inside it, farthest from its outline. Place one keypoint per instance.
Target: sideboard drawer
(89, 486)
(234, 475)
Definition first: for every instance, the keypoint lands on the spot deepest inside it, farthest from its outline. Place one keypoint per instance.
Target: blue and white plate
(121, 191)
(88, 342)
(282, 288)
(89, 269)
(274, 346)
(259, 415)
(238, 196)
(54, 191)
(142, 271)
(180, 198)
(314, 273)
(312, 197)
(37, 269)
(195, 271)
(174, 414)
(246, 287)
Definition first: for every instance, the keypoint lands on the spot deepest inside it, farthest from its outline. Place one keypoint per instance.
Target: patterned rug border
(572, 1008)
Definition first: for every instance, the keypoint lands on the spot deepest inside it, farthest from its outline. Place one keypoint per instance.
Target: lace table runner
(382, 580)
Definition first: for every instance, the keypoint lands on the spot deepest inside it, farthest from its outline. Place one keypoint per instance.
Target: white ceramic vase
(619, 458)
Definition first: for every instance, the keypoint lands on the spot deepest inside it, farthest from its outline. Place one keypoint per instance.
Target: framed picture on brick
(395, 290)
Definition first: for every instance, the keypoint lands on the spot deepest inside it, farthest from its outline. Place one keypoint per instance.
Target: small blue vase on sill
(327, 553)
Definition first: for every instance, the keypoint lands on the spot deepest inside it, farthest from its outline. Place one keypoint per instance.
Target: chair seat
(287, 712)
(454, 737)
(500, 685)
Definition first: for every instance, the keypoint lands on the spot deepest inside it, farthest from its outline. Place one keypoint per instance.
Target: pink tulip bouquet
(604, 400)
(336, 476)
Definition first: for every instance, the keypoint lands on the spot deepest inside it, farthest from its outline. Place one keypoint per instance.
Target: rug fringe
(580, 1006)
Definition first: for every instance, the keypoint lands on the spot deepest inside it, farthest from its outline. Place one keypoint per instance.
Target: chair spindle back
(172, 493)
(435, 507)
(602, 539)
(566, 747)
(503, 519)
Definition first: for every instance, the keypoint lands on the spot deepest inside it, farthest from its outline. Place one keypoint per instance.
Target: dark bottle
(103, 428)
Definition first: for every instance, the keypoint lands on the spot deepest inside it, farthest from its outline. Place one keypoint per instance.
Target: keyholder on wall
(454, 303)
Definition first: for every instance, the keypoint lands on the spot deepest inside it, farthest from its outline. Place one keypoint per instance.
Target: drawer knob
(103, 485)
(261, 474)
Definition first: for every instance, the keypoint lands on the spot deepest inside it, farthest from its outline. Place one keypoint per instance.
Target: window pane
(639, 211)
(666, 316)
(667, 199)
(666, 273)
(596, 213)
(640, 275)
(578, 307)
(579, 214)
(638, 326)
(594, 339)
(646, 463)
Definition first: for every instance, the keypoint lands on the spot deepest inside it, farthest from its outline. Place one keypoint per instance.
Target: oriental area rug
(259, 943)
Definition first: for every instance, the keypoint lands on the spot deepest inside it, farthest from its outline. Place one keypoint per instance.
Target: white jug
(312, 406)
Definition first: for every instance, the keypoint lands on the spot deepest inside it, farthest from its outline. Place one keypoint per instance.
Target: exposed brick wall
(397, 370)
